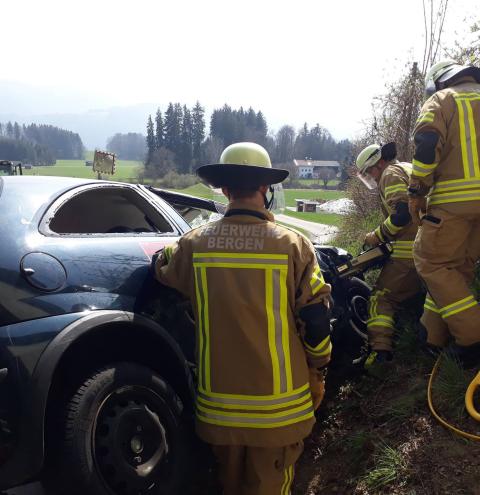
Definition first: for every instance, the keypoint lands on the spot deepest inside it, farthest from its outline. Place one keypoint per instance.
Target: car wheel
(121, 435)
(357, 295)
(350, 330)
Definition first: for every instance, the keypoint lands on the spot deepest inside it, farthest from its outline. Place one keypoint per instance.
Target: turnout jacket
(259, 300)
(447, 143)
(397, 227)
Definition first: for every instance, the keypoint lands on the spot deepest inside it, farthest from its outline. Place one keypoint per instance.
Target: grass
(325, 218)
(450, 386)
(304, 232)
(290, 194)
(390, 465)
(309, 182)
(126, 170)
(199, 190)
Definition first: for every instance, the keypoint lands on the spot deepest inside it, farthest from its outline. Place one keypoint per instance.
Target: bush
(292, 184)
(174, 180)
(364, 218)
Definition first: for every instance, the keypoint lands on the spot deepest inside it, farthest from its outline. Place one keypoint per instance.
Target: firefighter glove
(378, 357)
(417, 206)
(371, 239)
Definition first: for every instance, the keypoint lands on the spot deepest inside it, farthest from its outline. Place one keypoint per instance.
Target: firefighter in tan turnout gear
(263, 330)
(398, 280)
(446, 166)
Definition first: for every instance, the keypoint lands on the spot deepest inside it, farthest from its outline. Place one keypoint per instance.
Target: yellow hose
(468, 403)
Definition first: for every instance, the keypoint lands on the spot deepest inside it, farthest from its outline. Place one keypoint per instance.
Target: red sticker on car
(150, 248)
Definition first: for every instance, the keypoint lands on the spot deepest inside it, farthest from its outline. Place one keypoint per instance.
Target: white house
(310, 169)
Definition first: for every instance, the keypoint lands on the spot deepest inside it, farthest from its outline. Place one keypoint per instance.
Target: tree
(261, 128)
(173, 123)
(326, 174)
(161, 162)
(151, 144)
(212, 149)
(285, 144)
(468, 52)
(198, 132)
(9, 130)
(186, 149)
(159, 130)
(17, 134)
(129, 146)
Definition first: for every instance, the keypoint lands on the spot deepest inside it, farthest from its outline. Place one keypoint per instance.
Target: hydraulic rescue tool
(350, 294)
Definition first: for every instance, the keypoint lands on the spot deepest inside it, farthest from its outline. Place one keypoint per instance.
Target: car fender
(30, 452)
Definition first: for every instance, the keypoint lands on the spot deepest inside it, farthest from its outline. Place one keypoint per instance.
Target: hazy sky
(304, 60)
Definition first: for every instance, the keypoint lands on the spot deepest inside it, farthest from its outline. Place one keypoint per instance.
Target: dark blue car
(95, 357)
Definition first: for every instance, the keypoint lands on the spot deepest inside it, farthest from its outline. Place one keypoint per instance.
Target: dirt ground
(377, 436)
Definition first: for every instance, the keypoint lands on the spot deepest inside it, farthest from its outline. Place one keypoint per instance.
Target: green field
(290, 194)
(308, 182)
(325, 218)
(125, 170)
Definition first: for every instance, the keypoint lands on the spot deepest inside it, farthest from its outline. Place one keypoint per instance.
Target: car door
(96, 249)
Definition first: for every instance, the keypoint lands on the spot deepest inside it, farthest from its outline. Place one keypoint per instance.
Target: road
(322, 233)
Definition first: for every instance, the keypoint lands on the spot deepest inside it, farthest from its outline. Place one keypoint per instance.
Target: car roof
(46, 185)
(51, 182)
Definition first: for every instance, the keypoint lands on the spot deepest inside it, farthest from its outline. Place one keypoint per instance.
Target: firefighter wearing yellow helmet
(398, 281)
(446, 166)
(251, 281)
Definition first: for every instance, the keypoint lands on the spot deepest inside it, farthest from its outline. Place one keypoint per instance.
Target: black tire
(350, 335)
(121, 435)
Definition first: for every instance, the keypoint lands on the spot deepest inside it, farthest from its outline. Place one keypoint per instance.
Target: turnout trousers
(255, 470)
(398, 282)
(446, 249)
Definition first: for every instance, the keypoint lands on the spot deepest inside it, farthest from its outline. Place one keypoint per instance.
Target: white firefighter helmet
(444, 73)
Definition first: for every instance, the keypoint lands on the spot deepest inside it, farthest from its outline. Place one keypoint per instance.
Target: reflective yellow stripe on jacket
(425, 117)
(285, 405)
(402, 249)
(378, 320)
(468, 187)
(458, 306)
(256, 411)
(287, 484)
(317, 281)
(453, 191)
(430, 305)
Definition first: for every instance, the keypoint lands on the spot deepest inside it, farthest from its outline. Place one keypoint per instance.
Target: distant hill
(28, 104)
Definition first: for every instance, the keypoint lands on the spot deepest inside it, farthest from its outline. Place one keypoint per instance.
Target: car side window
(108, 210)
(196, 217)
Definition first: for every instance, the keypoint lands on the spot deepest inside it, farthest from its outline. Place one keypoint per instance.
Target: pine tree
(250, 118)
(159, 130)
(186, 148)
(173, 122)
(198, 131)
(261, 128)
(150, 139)
(17, 134)
(285, 142)
(9, 130)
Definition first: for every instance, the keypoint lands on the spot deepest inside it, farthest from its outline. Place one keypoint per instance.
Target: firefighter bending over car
(263, 329)
(446, 167)
(398, 280)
